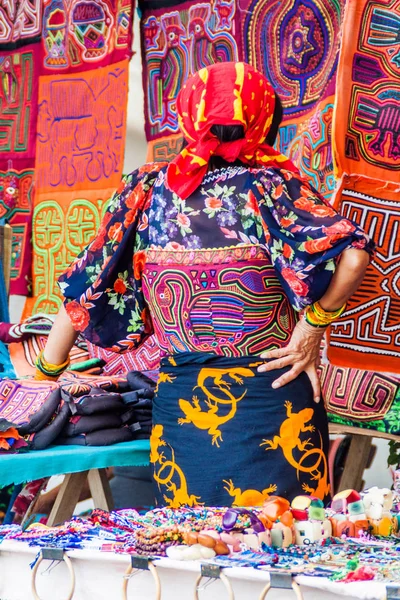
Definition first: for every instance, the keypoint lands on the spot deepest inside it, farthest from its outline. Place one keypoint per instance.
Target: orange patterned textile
(80, 150)
(367, 114)
(367, 335)
(23, 355)
(366, 139)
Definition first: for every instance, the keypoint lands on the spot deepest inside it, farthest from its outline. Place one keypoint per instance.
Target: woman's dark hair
(228, 133)
(276, 121)
(231, 133)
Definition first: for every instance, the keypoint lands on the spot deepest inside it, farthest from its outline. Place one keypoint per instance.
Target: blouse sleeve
(304, 235)
(103, 286)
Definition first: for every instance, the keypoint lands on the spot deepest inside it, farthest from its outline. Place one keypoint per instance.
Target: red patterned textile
(145, 358)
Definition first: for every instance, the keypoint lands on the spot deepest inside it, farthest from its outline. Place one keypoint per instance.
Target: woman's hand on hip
(302, 353)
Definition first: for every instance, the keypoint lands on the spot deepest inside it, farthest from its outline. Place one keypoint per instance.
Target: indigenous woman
(238, 266)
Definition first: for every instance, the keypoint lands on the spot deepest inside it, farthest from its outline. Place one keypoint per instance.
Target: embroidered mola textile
(63, 94)
(296, 45)
(361, 398)
(82, 101)
(20, 32)
(299, 58)
(178, 39)
(367, 161)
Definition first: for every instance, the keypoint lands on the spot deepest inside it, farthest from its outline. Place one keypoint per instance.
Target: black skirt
(222, 436)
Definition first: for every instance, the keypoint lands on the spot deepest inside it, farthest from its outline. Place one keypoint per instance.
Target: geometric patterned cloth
(20, 401)
(178, 39)
(367, 159)
(367, 335)
(360, 398)
(145, 358)
(63, 94)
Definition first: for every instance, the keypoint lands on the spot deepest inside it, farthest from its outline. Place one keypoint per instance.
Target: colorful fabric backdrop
(178, 39)
(63, 95)
(294, 43)
(367, 159)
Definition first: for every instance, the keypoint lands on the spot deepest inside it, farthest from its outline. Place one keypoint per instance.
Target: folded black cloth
(140, 381)
(97, 401)
(132, 414)
(86, 424)
(137, 397)
(141, 431)
(104, 437)
(46, 436)
(41, 418)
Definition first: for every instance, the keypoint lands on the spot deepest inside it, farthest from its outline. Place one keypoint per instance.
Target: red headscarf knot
(226, 93)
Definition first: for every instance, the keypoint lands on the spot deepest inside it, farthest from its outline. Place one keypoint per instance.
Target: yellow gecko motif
(322, 488)
(248, 497)
(163, 378)
(237, 374)
(289, 439)
(180, 495)
(156, 442)
(210, 419)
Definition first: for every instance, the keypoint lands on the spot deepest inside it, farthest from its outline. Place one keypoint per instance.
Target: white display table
(100, 576)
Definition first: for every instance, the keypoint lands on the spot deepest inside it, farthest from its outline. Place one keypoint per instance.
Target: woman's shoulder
(150, 168)
(145, 174)
(261, 175)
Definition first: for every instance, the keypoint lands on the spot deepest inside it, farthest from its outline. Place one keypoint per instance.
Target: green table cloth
(58, 460)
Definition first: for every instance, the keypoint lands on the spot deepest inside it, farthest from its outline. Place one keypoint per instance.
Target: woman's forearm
(61, 339)
(346, 279)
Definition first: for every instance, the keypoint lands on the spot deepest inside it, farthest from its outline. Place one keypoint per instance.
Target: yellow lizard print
(163, 378)
(289, 439)
(156, 442)
(210, 419)
(322, 488)
(180, 495)
(248, 497)
(237, 374)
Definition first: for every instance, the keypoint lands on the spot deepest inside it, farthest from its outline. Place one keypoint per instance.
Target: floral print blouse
(237, 214)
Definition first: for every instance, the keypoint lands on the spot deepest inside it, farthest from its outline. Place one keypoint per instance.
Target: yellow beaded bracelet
(49, 370)
(316, 316)
(39, 376)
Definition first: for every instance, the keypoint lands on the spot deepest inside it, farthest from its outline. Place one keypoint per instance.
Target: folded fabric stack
(34, 409)
(140, 403)
(96, 419)
(87, 411)
(101, 417)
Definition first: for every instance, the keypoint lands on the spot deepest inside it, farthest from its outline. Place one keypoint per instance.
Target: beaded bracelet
(46, 370)
(316, 316)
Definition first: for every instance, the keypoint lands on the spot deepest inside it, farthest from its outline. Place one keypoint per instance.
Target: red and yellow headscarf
(229, 93)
